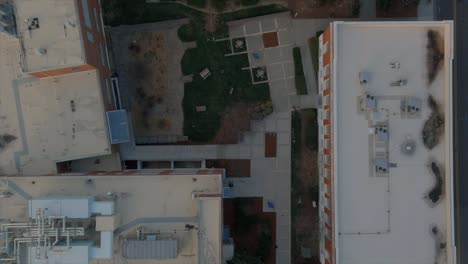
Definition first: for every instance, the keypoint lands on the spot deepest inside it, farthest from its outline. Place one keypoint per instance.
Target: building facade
(377, 96)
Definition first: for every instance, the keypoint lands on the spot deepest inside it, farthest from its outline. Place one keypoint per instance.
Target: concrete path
(270, 177)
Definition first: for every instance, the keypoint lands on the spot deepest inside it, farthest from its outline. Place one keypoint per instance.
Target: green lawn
(228, 83)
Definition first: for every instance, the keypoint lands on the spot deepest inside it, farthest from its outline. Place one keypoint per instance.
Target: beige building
(57, 97)
(156, 217)
(385, 141)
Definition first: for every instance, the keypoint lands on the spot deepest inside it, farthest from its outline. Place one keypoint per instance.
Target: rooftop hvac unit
(40, 51)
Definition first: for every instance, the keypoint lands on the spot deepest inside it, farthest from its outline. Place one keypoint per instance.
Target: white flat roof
(386, 220)
(38, 112)
(63, 118)
(58, 34)
(149, 200)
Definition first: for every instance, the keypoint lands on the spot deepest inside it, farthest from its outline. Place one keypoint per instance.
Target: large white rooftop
(386, 219)
(57, 42)
(159, 203)
(53, 119)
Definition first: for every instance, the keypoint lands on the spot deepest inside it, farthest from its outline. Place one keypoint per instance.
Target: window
(327, 114)
(327, 143)
(101, 55)
(327, 130)
(326, 70)
(108, 91)
(325, 48)
(87, 19)
(96, 19)
(326, 159)
(90, 37)
(326, 84)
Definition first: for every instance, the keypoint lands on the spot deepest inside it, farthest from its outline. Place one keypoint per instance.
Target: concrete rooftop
(39, 114)
(156, 202)
(386, 219)
(58, 34)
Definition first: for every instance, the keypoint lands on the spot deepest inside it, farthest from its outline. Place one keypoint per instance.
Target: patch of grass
(256, 74)
(197, 3)
(193, 61)
(186, 33)
(314, 53)
(241, 48)
(225, 46)
(249, 2)
(299, 78)
(219, 5)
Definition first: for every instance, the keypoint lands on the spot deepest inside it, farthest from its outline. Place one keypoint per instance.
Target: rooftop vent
(364, 77)
(381, 133)
(408, 147)
(401, 82)
(33, 23)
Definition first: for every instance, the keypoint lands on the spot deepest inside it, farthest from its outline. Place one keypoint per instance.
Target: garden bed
(299, 78)
(253, 231)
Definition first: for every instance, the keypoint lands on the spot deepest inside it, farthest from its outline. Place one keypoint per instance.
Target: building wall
(325, 113)
(96, 54)
(56, 72)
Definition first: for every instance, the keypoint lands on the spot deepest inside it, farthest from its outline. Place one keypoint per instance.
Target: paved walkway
(270, 177)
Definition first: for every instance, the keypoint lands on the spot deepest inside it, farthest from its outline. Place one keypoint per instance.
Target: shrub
(356, 8)
(186, 33)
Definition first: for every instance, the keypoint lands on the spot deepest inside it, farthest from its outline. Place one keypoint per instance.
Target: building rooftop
(50, 40)
(51, 120)
(156, 202)
(383, 174)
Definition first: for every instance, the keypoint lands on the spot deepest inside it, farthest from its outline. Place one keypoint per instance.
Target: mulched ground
(306, 223)
(235, 168)
(312, 9)
(248, 242)
(401, 8)
(270, 39)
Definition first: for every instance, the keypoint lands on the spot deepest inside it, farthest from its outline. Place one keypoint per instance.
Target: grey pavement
(270, 177)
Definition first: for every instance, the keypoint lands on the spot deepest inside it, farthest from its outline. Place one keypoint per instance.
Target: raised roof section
(383, 175)
(50, 34)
